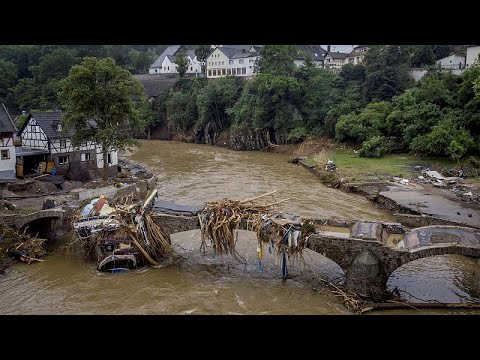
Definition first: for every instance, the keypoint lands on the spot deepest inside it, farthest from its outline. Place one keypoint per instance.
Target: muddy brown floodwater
(205, 284)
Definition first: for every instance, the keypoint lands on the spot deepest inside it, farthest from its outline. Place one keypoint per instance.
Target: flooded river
(205, 284)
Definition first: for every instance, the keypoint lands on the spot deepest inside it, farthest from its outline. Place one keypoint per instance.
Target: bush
(376, 147)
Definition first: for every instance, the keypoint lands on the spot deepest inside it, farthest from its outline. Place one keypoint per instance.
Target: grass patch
(352, 167)
(355, 168)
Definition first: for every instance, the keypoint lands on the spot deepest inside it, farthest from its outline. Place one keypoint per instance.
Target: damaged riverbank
(421, 198)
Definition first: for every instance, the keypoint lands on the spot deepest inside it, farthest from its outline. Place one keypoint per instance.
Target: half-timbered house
(43, 131)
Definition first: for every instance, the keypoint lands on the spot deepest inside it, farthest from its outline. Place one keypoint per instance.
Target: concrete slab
(426, 202)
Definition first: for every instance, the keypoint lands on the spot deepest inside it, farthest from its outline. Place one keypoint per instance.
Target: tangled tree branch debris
(21, 245)
(285, 234)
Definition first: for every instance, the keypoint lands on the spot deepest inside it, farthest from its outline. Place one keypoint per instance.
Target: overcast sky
(341, 48)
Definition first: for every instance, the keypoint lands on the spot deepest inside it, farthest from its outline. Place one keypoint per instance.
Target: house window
(240, 61)
(244, 70)
(224, 72)
(234, 71)
(85, 157)
(223, 62)
(239, 71)
(5, 154)
(63, 144)
(168, 67)
(229, 71)
(62, 160)
(251, 60)
(350, 60)
(191, 68)
(230, 62)
(214, 72)
(209, 72)
(109, 159)
(59, 127)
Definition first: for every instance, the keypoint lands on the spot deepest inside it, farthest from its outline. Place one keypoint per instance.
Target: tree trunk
(105, 163)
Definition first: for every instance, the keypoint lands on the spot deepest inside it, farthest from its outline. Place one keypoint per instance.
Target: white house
(165, 64)
(44, 139)
(357, 55)
(472, 55)
(7, 146)
(454, 62)
(232, 60)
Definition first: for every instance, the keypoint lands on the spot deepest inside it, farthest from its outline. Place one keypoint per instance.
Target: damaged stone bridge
(42, 222)
(368, 252)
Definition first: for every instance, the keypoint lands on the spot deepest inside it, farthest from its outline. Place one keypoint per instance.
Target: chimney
(328, 48)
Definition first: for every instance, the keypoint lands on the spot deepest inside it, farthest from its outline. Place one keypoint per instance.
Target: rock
(418, 168)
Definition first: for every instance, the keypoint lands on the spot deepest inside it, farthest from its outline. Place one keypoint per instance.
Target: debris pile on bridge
(285, 234)
(21, 246)
(220, 219)
(123, 236)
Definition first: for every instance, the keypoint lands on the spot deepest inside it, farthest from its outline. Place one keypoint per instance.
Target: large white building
(472, 54)
(7, 146)
(232, 60)
(165, 63)
(453, 62)
(43, 139)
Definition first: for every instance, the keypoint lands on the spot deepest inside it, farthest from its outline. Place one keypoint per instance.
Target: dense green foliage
(30, 74)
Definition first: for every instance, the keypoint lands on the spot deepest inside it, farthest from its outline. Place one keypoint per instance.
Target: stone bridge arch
(52, 214)
(368, 264)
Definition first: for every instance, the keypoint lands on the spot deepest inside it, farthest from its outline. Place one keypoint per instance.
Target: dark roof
(48, 121)
(230, 52)
(316, 51)
(155, 84)
(244, 55)
(6, 123)
(337, 55)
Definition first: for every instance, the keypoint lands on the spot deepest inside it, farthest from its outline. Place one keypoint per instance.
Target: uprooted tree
(101, 91)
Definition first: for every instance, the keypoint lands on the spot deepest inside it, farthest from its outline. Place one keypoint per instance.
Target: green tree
(99, 90)
(202, 52)
(277, 60)
(181, 61)
(143, 61)
(8, 76)
(215, 98)
(476, 87)
(387, 72)
(422, 55)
